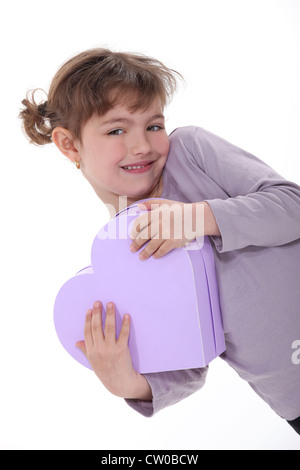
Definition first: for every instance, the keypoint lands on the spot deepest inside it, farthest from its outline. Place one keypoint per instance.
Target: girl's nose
(140, 145)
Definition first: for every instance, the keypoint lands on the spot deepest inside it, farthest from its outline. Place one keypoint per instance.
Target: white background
(241, 63)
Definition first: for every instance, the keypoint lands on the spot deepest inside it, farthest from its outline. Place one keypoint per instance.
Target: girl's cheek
(165, 146)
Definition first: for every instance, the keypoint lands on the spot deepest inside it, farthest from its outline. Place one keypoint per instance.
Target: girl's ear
(64, 141)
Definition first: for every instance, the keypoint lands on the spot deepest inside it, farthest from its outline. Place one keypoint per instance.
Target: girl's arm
(255, 206)
(169, 388)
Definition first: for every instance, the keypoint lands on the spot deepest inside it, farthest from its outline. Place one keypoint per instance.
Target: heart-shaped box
(173, 301)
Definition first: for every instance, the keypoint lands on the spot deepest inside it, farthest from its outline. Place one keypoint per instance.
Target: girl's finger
(97, 330)
(88, 337)
(143, 236)
(110, 323)
(151, 248)
(81, 345)
(125, 329)
(139, 224)
(163, 250)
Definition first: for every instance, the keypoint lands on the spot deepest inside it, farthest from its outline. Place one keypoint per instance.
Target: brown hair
(92, 82)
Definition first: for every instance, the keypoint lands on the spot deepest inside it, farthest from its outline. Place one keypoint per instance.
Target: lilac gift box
(173, 301)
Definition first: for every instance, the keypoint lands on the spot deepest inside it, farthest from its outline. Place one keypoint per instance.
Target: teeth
(133, 167)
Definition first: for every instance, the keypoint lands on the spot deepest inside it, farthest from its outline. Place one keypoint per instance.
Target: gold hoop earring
(77, 165)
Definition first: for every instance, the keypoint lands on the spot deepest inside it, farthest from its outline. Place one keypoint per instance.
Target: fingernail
(110, 305)
(96, 304)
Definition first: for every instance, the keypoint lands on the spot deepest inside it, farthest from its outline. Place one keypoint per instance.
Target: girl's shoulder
(183, 138)
(188, 135)
(184, 132)
(195, 138)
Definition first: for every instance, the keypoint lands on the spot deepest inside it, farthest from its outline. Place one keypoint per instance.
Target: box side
(205, 317)
(208, 260)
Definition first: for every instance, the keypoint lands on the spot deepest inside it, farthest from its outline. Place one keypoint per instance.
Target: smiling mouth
(138, 166)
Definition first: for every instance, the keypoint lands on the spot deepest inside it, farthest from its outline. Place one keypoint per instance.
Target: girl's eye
(154, 128)
(116, 132)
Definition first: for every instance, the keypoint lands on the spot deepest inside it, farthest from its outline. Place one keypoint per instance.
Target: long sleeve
(252, 204)
(168, 388)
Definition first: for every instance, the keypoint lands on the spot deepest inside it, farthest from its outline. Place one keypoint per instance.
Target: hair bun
(42, 109)
(34, 123)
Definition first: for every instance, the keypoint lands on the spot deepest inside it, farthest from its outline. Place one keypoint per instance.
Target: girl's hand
(167, 225)
(110, 356)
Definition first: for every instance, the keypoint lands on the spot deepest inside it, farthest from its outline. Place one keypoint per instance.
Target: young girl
(105, 113)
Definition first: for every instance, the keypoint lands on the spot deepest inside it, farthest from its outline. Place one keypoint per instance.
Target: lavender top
(257, 261)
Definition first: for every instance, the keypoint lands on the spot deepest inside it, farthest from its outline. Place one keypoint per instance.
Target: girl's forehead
(123, 110)
(132, 101)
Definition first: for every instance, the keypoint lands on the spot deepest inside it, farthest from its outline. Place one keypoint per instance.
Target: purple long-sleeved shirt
(257, 261)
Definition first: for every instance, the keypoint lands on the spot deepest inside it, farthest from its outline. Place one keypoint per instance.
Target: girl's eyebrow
(114, 120)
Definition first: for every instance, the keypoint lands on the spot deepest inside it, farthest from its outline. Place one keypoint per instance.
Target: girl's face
(123, 153)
